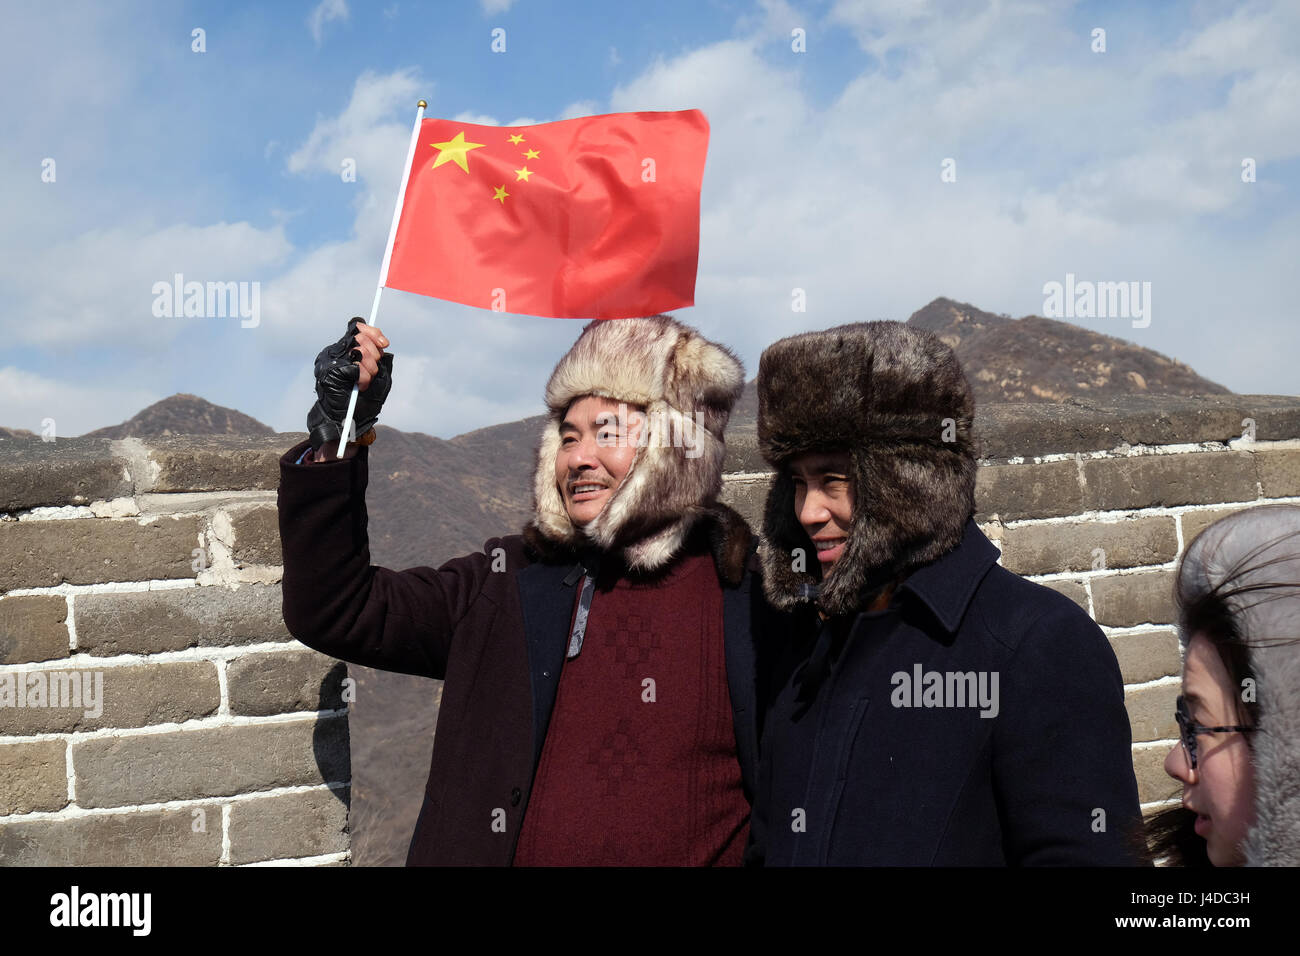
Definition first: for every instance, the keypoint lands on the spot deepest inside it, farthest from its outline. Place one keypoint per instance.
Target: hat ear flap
(550, 514)
(788, 555)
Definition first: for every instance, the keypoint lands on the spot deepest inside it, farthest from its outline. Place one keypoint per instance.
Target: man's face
(823, 502)
(596, 451)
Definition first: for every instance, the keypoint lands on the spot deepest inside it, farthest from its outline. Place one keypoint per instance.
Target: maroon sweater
(636, 773)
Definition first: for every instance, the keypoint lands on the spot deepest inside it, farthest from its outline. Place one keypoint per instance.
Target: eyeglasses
(1188, 730)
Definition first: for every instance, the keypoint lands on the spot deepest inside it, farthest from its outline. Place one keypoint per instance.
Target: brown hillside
(1045, 360)
(183, 414)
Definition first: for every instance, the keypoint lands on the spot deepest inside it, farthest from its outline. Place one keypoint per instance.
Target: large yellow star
(523, 174)
(501, 194)
(532, 154)
(516, 139)
(454, 151)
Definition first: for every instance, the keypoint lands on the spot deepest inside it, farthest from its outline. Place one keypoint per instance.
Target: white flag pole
(383, 269)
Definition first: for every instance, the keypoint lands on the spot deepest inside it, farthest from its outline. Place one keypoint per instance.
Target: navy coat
(1037, 772)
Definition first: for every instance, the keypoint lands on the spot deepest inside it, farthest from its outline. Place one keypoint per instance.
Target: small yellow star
(532, 154)
(523, 174)
(516, 139)
(501, 194)
(454, 151)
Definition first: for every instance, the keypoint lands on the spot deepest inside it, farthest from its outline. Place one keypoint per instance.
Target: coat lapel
(546, 594)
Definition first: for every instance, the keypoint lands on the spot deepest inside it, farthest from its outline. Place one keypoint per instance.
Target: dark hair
(1213, 613)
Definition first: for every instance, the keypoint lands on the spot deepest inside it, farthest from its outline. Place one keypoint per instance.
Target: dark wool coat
(866, 781)
(498, 638)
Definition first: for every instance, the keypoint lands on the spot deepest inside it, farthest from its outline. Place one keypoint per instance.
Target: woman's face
(1221, 790)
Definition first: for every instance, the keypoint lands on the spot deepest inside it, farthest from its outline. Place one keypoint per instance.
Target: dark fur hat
(895, 398)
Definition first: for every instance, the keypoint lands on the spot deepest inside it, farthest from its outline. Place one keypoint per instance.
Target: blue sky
(823, 174)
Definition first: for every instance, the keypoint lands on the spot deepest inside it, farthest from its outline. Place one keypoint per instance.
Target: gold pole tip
(422, 104)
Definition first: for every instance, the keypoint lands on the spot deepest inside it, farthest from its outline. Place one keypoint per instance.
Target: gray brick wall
(175, 722)
(218, 740)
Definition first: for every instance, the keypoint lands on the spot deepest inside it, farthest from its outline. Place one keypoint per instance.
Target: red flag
(597, 217)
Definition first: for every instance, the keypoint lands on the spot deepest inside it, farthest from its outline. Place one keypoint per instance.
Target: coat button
(515, 796)
(546, 673)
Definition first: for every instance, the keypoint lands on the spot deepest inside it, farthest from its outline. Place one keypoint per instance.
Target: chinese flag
(596, 218)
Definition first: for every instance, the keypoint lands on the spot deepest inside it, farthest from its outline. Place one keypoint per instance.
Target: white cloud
(76, 406)
(1117, 167)
(493, 7)
(1062, 166)
(97, 288)
(580, 108)
(366, 130)
(325, 12)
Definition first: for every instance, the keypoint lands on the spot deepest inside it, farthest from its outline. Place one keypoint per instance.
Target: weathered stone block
(1279, 472)
(1073, 588)
(219, 462)
(66, 471)
(134, 695)
(1147, 656)
(1149, 481)
(218, 761)
(1048, 490)
(257, 535)
(33, 627)
(1154, 784)
(1151, 711)
(749, 497)
(289, 826)
(284, 681)
(742, 449)
(148, 622)
(188, 836)
(1127, 600)
(1084, 545)
(95, 550)
(1194, 522)
(33, 776)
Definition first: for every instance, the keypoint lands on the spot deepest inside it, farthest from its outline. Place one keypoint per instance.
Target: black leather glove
(337, 370)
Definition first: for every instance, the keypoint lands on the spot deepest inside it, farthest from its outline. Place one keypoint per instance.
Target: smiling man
(932, 708)
(600, 699)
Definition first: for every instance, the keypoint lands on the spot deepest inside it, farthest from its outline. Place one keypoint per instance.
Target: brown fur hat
(687, 386)
(895, 398)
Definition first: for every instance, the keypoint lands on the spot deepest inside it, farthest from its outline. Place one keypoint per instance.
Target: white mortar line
(1125, 515)
(189, 726)
(1162, 804)
(72, 777)
(223, 686)
(1144, 451)
(223, 652)
(78, 813)
(112, 587)
(1136, 630)
(303, 860)
(70, 600)
(1157, 682)
(225, 834)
